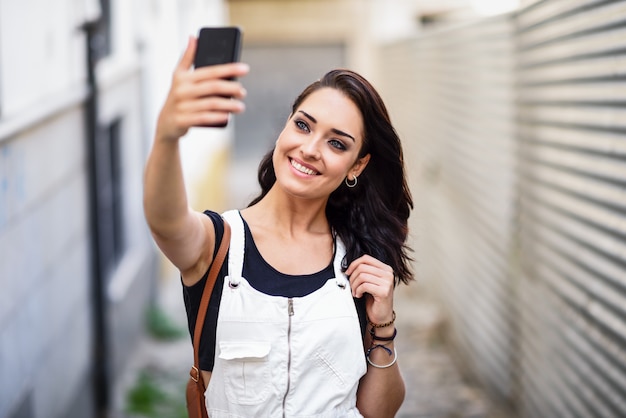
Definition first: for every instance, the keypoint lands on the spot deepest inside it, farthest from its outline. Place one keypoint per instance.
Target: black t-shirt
(261, 276)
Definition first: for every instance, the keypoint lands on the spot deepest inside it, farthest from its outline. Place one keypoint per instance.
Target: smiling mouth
(302, 168)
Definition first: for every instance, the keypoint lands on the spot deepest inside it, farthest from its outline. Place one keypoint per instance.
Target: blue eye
(301, 125)
(337, 144)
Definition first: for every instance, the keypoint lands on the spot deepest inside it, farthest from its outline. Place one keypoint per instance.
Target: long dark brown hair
(371, 218)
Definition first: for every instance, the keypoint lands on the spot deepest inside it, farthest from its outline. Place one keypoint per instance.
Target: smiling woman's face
(319, 145)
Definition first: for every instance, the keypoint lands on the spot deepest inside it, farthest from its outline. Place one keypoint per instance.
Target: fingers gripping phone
(219, 45)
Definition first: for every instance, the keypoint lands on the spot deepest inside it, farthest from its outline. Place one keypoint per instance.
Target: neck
(290, 214)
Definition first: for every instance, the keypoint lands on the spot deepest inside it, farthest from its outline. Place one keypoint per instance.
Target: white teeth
(302, 168)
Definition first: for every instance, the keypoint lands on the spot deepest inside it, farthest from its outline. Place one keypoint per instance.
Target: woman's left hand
(375, 278)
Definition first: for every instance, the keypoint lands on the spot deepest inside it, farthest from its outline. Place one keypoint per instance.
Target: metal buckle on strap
(195, 377)
(233, 282)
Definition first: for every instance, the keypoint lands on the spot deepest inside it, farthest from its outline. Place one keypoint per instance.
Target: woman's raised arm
(196, 98)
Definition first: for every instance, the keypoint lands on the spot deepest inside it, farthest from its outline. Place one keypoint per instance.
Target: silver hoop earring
(351, 185)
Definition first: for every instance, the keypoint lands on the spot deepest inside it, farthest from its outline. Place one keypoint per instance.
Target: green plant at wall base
(154, 397)
(160, 326)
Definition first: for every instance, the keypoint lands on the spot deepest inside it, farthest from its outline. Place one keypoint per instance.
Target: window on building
(109, 178)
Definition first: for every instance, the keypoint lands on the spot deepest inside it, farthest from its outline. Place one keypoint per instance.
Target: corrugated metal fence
(515, 140)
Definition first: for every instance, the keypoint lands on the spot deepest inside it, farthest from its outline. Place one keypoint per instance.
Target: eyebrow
(337, 131)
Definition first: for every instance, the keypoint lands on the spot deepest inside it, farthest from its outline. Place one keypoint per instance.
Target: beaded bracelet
(378, 366)
(386, 324)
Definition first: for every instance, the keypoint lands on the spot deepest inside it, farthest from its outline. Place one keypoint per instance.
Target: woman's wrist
(165, 138)
(386, 324)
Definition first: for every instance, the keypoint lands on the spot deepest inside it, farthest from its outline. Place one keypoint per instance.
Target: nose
(311, 149)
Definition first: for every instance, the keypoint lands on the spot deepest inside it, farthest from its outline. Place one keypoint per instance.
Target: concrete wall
(44, 269)
(44, 272)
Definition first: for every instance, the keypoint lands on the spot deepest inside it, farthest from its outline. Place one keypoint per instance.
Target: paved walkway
(435, 388)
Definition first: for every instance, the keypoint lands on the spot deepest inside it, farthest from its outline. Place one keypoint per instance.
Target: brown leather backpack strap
(216, 266)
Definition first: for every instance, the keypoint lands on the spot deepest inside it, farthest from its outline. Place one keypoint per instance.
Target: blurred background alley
(513, 121)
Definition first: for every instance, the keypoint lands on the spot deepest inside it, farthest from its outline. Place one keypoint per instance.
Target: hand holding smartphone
(218, 45)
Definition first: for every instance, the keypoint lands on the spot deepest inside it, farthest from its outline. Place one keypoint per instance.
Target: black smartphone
(217, 45)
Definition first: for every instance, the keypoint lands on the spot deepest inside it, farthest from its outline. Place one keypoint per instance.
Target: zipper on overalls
(290, 312)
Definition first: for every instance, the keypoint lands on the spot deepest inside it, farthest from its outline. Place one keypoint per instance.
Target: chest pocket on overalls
(246, 371)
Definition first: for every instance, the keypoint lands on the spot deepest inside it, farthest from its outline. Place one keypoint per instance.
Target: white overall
(284, 357)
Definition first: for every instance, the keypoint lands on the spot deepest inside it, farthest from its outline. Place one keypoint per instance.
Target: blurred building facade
(515, 135)
(80, 84)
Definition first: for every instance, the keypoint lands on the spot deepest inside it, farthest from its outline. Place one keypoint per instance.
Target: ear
(359, 165)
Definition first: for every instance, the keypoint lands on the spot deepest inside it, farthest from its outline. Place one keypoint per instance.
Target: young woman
(301, 319)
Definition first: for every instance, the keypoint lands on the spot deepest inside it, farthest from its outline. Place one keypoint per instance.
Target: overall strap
(340, 253)
(237, 245)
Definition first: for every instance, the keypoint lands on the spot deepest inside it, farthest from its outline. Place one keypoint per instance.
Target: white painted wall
(44, 316)
(41, 50)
